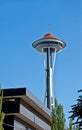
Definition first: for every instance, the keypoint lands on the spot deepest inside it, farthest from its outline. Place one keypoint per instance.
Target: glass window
(20, 126)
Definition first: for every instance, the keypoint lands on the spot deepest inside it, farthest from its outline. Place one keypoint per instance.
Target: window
(20, 126)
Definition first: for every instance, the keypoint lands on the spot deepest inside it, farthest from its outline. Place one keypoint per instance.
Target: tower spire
(49, 45)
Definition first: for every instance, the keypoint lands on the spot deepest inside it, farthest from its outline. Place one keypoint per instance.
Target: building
(24, 111)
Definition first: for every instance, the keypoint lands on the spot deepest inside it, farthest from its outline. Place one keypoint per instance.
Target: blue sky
(24, 21)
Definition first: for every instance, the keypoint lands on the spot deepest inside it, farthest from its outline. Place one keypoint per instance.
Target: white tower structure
(49, 45)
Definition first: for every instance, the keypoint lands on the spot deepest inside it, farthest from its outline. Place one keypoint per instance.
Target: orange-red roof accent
(49, 35)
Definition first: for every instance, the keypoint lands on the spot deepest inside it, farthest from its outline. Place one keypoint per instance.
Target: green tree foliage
(77, 113)
(70, 124)
(1, 113)
(73, 127)
(58, 119)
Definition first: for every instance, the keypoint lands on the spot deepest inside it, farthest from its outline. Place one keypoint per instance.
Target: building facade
(23, 111)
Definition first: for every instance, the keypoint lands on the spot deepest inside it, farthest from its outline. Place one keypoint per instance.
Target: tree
(1, 113)
(70, 124)
(58, 119)
(77, 113)
(75, 127)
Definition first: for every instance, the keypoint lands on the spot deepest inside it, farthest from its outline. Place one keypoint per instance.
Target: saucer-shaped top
(49, 41)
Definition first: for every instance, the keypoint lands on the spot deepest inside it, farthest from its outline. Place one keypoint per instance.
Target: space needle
(49, 45)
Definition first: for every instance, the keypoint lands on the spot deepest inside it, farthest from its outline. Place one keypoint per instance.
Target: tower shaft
(49, 79)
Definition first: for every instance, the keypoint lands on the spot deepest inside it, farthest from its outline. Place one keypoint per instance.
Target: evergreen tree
(1, 113)
(77, 113)
(58, 119)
